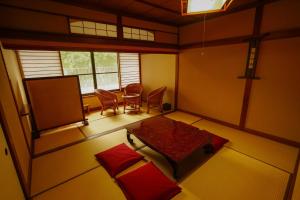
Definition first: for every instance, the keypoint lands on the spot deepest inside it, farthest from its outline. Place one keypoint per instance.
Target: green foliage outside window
(80, 63)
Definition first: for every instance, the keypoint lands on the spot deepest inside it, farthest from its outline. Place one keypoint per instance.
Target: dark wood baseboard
(251, 131)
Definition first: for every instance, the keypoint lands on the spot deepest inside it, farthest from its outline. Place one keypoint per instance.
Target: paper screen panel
(55, 101)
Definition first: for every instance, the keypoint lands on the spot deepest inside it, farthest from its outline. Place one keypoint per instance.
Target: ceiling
(164, 11)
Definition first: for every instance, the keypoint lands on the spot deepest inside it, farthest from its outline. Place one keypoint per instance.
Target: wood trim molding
(176, 82)
(272, 137)
(119, 27)
(251, 131)
(275, 35)
(245, 104)
(218, 42)
(281, 34)
(58, 37)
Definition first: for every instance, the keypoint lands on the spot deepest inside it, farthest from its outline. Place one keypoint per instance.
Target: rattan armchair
(107, 100)
(155, 98)
(134, 89)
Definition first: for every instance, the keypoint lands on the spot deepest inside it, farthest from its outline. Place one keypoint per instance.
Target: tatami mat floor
(98, 124)
(247, 167)
(271, 152)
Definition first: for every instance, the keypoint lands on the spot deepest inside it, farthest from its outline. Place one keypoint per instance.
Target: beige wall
(62, 9)
(12, 123)
(275, 99)
(208, 82)
(232, 25)
(13, 70)
(32, 21)
(280, 15)
(158, 70)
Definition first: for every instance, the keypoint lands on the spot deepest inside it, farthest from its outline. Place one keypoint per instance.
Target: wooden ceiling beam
(158, 7)
(85, 39)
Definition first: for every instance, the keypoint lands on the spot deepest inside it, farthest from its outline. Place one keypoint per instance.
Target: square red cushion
(216, 141)
(118, 158)
(147, 183)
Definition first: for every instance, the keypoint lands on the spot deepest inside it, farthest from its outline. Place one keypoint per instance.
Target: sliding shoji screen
(40, 63)
(130, 68)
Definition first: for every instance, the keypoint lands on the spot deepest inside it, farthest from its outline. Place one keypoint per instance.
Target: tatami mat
(51, 141)
(230, 175)
(54, 168)
(241, 170)
(274, 153)
(113, 122)
(184, 117)
(95, 115)
(158, 159)
(95, 184)
(296, 193)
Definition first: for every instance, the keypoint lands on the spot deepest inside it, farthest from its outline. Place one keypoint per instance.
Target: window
(138, 34)
(92, 28)
(130, 68)
(107, 70)
(102, 70)
(79, 63)
(40, 63)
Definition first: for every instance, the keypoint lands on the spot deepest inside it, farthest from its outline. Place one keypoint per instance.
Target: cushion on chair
(147, 183)
(118, 158)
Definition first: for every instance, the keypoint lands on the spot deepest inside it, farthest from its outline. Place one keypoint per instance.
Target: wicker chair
(134, 88)
(107, 100)
(155, 98)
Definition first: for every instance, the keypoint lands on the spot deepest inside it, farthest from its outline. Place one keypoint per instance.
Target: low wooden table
(175, 140)
(132, 100)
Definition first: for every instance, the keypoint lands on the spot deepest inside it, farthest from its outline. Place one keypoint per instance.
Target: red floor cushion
(118, 158)
(217, 141)
(147, 183)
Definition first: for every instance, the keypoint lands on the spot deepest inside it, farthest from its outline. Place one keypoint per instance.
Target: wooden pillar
(250, 71)
(119, 27)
